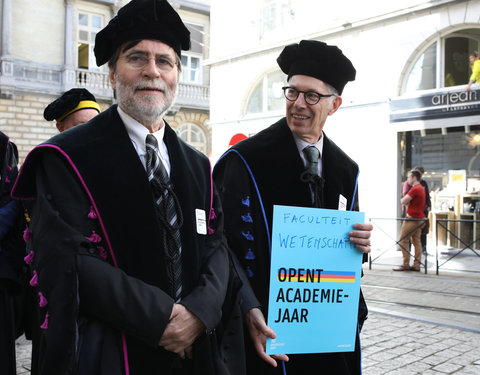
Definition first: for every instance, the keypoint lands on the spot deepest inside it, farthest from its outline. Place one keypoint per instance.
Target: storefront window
(442, 150)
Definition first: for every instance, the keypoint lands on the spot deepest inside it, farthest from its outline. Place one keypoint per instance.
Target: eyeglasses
(311, 97)
(139, 60)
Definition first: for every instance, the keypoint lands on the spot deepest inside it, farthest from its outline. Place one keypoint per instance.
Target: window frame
(190, 126)
(440, 42)
(89, 28)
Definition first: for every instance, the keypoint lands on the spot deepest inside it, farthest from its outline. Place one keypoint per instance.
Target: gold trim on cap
(84, 104)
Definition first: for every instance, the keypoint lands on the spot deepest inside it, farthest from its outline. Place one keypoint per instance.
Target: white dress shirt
(301, 144)
(138, 134)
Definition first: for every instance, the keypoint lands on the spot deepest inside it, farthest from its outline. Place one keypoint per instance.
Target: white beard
(146, 109)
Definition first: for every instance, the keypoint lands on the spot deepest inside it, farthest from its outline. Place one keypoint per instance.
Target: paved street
(399, 346)
(418, 323)
(421, 324)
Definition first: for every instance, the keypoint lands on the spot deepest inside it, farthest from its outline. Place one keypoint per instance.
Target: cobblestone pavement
(399, 346)
(24, 352)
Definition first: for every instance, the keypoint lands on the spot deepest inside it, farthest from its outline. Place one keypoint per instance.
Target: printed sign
(314, 281)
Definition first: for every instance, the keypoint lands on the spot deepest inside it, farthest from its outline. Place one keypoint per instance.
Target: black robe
(98, 257)
(251, 177)
(12, 251)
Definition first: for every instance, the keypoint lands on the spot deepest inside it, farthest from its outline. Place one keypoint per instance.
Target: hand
(259, 331)
(361, 236)
(181, 331)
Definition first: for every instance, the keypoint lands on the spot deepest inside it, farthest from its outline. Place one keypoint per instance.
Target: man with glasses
(290, 163)
(125, 240)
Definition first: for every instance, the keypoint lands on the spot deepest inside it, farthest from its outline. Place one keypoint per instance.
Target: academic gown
(96, 255)
(251, 177)
(12, 249)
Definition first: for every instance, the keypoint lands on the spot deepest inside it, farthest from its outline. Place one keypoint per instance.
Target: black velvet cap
(318, 60)
(68, 102)
(138, 20)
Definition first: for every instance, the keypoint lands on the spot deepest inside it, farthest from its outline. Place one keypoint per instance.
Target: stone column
(68, 72)
(7, 82)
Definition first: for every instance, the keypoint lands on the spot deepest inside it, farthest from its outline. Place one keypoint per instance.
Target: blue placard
(314, 281)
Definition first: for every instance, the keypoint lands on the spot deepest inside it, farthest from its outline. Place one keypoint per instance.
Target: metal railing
(397, 242)
(451, 238)
(466, 238)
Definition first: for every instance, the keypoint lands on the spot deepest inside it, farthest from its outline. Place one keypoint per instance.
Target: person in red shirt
(412, 229)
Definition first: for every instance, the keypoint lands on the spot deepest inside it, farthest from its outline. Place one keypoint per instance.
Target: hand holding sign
(259, 331)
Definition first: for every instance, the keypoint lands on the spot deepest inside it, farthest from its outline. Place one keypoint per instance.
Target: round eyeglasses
(311, 97)
(139, 60)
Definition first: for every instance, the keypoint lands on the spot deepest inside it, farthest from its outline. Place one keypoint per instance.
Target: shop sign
(436, 105)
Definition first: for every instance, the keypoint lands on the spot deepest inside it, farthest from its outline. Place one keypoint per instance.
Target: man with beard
(125, 240)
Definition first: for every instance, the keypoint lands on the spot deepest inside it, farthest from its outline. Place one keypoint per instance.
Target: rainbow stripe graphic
(312, 275)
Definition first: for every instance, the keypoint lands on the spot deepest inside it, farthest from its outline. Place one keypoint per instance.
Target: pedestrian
(12, 251)
(428, 205)
(74, 107)
(125, 239)
(426, 210)
(274, 167)
(412, 226)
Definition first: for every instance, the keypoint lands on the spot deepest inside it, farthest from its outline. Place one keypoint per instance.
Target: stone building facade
(46, 48)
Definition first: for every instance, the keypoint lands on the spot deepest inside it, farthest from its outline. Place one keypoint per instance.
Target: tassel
(247, 218)
(43, 301)
(27, 235)
(45, 322)
(210, 231)
(212, 214)
(95, 238)
(92, 214)
(250, 255)
(102, 252)
(246, 201)
(29, 258)
(34, 279)
(247, 235)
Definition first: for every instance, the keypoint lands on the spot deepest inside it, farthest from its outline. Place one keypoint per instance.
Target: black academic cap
(319, 60)
(138, 20)
(71, 101)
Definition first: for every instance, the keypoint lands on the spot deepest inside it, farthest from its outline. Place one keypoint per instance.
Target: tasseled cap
(138, 20)
(71, 101)
(318, 60)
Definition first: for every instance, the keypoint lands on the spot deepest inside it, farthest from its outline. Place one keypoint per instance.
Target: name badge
(342, 203)
(201, 221)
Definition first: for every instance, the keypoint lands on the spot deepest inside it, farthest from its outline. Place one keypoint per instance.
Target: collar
(138, 133)
(301, 144)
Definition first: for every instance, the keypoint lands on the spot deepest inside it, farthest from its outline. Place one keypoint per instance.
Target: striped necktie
(169, 214)
(312, 155)
(310, 175)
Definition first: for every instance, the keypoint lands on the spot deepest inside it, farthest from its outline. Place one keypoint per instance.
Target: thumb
(266, 330)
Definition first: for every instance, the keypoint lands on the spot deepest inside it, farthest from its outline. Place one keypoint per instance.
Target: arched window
(444, 62)
(194, 136)
(267, 95)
